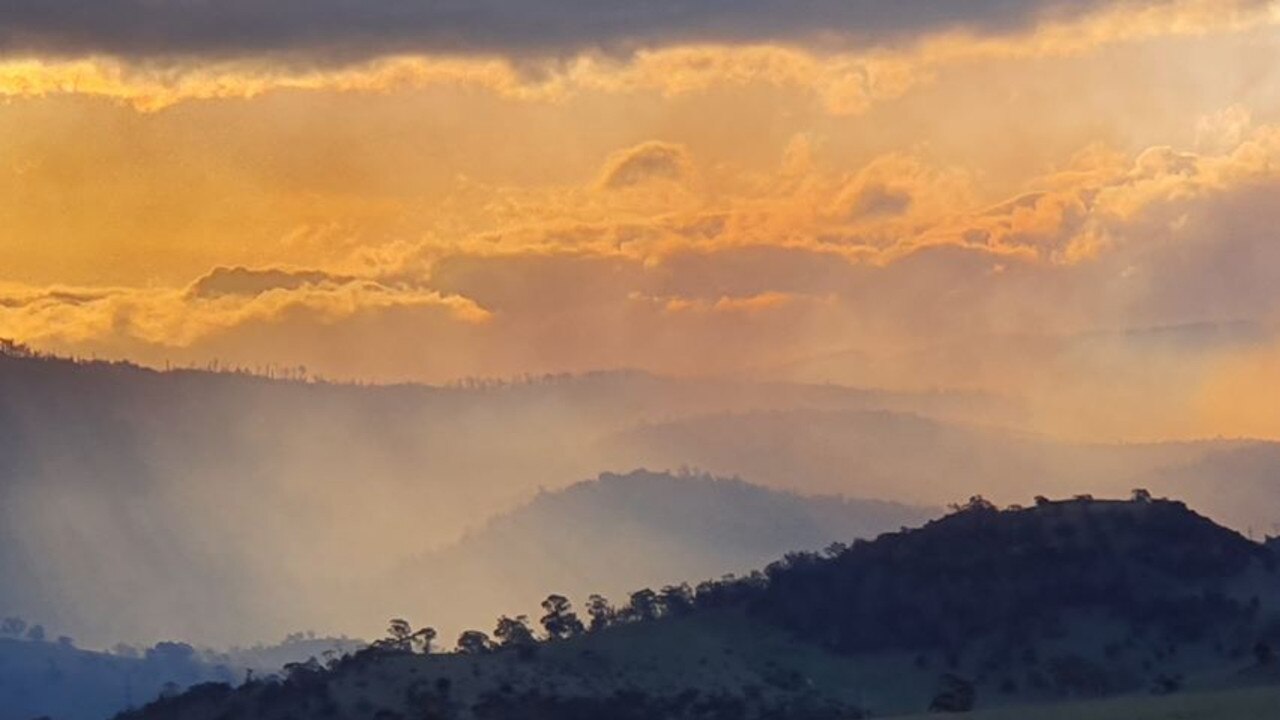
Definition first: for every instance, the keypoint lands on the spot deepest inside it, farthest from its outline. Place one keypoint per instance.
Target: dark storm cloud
(335, 29)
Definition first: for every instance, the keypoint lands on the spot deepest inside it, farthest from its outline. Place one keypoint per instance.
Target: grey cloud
(331, 30)
(249, 282)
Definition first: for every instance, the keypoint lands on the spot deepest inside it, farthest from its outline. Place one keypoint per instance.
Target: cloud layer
(1070, 201)
(334, 28)
(1115, 274)
(850, 55)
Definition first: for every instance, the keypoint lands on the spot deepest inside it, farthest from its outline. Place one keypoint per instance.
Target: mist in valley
(224, 509)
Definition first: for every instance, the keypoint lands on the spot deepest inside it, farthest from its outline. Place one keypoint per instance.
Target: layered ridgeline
(1064, 600)
(249, 507)
(254, 501)
(618, 532)
(645, 528)
(43, 676)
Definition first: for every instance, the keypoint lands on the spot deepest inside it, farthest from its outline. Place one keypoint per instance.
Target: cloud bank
(988, 194)
(1113, 269)
(333, 28)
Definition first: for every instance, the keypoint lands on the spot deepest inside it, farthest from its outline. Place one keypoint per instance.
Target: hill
(58, 680)
(911, 457)
(985, 608)
(643, 528)
(1249, 703)
(115, 477)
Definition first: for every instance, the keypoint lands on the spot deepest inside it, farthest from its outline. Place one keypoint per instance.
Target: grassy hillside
(984, 608)
(1251, 703)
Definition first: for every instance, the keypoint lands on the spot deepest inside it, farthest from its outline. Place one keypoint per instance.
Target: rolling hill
(55, 679)
(262, 506)
(114, 477)
(910, 457)
(620, 532)
(981, 609)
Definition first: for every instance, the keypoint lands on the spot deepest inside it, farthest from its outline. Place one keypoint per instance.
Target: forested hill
(984, 607)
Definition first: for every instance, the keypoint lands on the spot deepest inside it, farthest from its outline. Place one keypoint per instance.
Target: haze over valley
(675, 360)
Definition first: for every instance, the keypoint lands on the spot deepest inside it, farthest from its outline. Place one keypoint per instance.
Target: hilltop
(620, 531)
(985, 607)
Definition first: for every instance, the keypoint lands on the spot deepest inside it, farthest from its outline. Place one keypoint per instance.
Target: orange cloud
(845, 82)
(649, 161)
(176, 318)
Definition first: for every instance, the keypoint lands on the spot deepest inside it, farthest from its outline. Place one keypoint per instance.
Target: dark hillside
(1153, 565)
(984, 608)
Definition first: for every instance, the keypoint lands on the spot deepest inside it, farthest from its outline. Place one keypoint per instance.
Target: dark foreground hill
(983, 608)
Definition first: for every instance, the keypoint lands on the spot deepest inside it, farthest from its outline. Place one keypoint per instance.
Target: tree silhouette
(515, 633)
(677, 599)
(474, 642)
(560, 620)
(600, 611)
(643, 605)
(423, 638)
(401, 637)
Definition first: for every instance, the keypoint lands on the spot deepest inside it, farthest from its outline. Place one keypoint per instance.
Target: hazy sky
(1074, 201)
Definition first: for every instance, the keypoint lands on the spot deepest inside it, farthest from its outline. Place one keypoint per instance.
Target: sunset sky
(1071, 202)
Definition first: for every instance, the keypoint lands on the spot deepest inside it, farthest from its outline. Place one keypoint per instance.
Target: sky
(1073, 203)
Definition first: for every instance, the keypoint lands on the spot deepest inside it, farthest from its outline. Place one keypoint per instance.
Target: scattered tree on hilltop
(560, 621)
(401, 637)
(602, 614)
(474, 642)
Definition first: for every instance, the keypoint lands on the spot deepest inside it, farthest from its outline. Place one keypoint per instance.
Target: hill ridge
(1005, 618)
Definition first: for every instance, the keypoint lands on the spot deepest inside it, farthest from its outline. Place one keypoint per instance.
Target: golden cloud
(182, 318)
(649, 161)
(844, 82)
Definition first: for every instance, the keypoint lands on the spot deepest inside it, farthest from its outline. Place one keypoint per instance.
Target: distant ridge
(621, 531)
